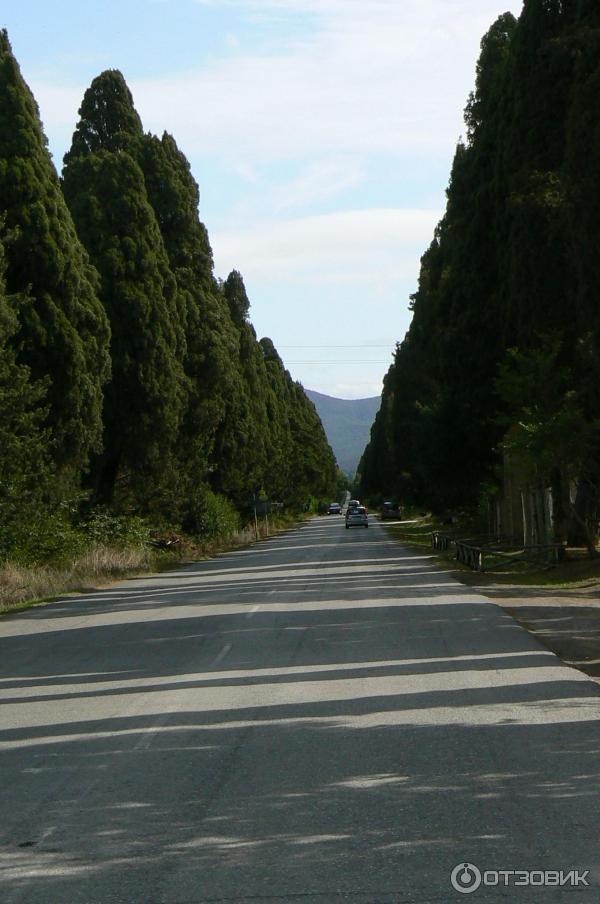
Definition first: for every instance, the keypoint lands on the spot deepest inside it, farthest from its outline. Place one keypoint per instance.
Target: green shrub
(104, 528)
(211, 515)
(43, 537)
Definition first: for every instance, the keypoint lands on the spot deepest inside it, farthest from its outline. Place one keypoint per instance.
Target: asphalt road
(325, 717)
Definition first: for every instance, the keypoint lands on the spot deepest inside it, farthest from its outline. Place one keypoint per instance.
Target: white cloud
(58, 103)
(383, 76)
(310, 120)
(319, 181)
(374, 247)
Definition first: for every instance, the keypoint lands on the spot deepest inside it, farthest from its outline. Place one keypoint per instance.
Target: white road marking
(149, 735)
(220, 656)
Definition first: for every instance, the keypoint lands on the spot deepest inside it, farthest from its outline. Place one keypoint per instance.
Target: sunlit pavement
(325, 717)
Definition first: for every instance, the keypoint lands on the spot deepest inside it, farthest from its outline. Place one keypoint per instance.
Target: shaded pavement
(324, 717)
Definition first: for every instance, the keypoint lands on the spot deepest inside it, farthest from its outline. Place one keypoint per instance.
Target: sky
(321, 134)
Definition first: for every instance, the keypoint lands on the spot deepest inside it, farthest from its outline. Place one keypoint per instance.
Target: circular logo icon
(465, 878)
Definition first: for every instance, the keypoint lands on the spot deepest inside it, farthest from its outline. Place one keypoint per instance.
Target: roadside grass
(416, 531)
(22, 587)
(576, 572)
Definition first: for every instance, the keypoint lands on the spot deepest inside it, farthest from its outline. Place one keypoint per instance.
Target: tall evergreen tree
(211, 361)
(279, 477)
(237, 299)
(25, 443)
(63, 332)
(106, 193)
(240, 453)
(513, 257)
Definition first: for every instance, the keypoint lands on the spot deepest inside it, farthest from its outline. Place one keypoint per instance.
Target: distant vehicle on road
(357, 517)
(390, 510)
(334, 508)
(352, 506)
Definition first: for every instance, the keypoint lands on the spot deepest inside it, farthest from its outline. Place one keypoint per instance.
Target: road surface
(324, 717)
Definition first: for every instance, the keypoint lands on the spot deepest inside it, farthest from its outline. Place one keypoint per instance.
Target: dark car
(391, 511)
(334, 508)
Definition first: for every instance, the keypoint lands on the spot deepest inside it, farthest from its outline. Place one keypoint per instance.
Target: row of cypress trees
(503, 352)
(130, 377)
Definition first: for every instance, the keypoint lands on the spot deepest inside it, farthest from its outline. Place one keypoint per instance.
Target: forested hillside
(493, 399)
(132, 383)
(347, 423)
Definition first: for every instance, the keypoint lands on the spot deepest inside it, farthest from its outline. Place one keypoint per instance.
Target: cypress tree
(536, 265)
(582, 183)
(313, 464)
(279, 477)
(106, 193)
(301, 462)
(24, 441)
(211, 338)
(240, 452)
(237, 299)
(63, 332)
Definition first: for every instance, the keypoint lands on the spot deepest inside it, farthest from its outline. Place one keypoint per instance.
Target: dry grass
(241, 538)
(20, 584)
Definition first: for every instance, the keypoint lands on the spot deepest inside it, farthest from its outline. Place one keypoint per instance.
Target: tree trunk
(560, 508)
(584, 517)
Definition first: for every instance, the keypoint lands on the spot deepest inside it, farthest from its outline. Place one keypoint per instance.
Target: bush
(103, 528)
(53, 537)
(211, 515)
(44, 536)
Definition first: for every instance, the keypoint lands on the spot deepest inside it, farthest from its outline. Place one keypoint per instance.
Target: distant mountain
(347, 423)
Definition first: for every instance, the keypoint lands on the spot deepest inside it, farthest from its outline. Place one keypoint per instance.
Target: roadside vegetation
(118, 548)
(136, 401)
(576, 571)
(492, 403)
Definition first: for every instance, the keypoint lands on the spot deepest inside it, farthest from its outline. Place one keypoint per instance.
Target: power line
(347, 361)
(334, 346)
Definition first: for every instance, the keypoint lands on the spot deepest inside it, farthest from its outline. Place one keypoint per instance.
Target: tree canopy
(512, 260)
(130, 376)
(62, 332)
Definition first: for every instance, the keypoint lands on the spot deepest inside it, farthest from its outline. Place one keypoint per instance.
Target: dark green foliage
(239, 456)
(105, 189)
(108, 120)
(234, 291)
(514, 256)
(301, 463)
(211, 516)
(313, 462)
(63, 332)
(25, 444)
(211, 338)
(103, 527)
(197, 416)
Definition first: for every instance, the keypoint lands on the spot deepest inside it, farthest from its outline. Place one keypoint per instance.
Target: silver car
(357, 517)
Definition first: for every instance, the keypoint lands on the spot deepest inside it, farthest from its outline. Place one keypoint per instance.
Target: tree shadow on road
(336, 741)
